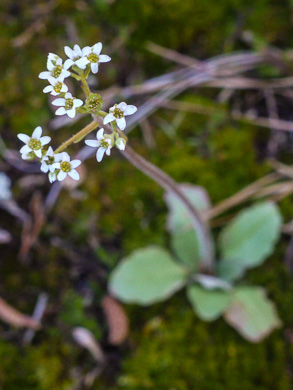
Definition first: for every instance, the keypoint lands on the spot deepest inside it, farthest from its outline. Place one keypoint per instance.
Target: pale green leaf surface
(252, 314)
(208, 304)
(178, 217)
(147, 276)
(249, 239)
(185, 245)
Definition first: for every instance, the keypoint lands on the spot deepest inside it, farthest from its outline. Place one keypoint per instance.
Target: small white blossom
(56, 86)
(5, 183)
(72, 54)
(67, 105)
(120, 143)
(34, 143)
(102, 143)
(49, 159)
(52, 176)
(56, 68)
(66, 167)
(92, 55)
(118, 112)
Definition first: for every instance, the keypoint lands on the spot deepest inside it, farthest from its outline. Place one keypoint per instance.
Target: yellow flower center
(58, 87)
(69, 104)
(65, 166)
(118, 113)
(56, 72)
(93, 57)
(35, 144)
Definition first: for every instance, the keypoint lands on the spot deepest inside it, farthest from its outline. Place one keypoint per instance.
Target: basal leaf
(208, 304)
(147, 276)
(249, 239)
(252, 314)
(186, 246)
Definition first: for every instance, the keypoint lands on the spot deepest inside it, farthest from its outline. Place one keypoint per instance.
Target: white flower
(49, 159)
(57, 86)
(67, 167)
(118, 112)
(92, 55)
(67, 105)
(5, 183)
(120, 143)
(102, 143)
(52, 176)
(34, 143)
(56, 68)
(73, 54)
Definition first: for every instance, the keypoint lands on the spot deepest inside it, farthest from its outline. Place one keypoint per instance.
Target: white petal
(50, 65)
(100, 134)
(64, 88)
(25, 149)
(75, 163)
(97, 48)
(54, 166)
(130, 110)
(100, 154)
(65, 73)
(44, 167)
(68, 95)
(58, 156)
(44, 75)
(68, 63)
(121, 123)
(25, 156)
(52, 177)
(38, 153)
(120, 143)
(47, 89)
(82, 62)
(74, 174)
(60, 111)
(104, 58)
(59, 102)
(108, 151)
(23, 137)
(61, 175)
(65, 156)
(93, 143)
(37, 132)
(109, 118)
(77, 103)
(45, 140)
(71, 113)
(50, 151)
(122, 106)
(86, 51)
(77, 51)
(95, 67)
(59, 61)
(69, 52)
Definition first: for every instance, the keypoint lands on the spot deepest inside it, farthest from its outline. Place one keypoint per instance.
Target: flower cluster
(79, 64)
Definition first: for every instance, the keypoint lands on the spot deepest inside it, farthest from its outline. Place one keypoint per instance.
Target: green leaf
(147, 276)
(249, 239)
(186, 246)
(208, 304)
(178, 218)
(188, 243)
(252, 314)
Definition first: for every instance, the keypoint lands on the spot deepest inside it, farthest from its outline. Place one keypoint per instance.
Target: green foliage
(185, 245)
(208, 304)
(251, 313)
(249, 239)
(147, 276)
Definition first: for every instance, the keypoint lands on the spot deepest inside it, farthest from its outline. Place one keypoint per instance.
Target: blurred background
(206, 117)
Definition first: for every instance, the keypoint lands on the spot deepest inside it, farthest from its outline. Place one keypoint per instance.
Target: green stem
(78, 136)
(85, 87)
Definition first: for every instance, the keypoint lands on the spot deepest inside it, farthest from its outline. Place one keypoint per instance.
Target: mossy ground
(169, 347)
